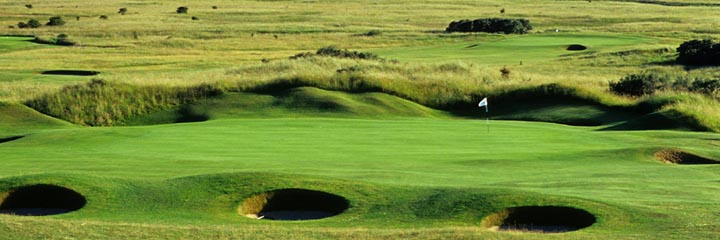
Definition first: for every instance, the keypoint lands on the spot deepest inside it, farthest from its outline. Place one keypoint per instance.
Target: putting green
(401, 173)
(9, 43)
(514, 49)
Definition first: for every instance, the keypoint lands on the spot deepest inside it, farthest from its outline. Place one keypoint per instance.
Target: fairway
(532, 48)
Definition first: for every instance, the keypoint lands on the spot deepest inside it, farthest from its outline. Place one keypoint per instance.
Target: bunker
(71, 72)
(676, 156)
(575, 47)
(40, 200)
(293, 204)
(543, 219)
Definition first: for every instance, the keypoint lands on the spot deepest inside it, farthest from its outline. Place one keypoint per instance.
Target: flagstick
(487, 118)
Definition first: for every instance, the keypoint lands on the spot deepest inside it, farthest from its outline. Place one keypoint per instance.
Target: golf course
(361, 119)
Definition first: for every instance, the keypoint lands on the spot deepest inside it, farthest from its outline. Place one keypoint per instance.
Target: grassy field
(390, 170)
(190, 121)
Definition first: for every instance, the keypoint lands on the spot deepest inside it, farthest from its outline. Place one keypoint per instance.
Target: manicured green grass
(532, 48)
(9, 44)
(409, 171)
(400, 175)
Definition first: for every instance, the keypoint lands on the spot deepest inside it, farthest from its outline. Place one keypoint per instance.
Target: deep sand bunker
(8, 139)
(40, 200)
(575, 47)
(676, 156)
(544, 219)
(71, 72)
(293, 204)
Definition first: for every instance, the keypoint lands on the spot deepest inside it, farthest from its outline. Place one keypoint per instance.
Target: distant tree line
(491, 25)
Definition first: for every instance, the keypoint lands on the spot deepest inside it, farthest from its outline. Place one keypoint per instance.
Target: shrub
(32, 23)
(505, 72)
(332, 51)
(122, 11)
(214, 7)
(699, 52)
(63, 39)
(372, 33)
(195, 18)
(491, 25)
(182, 10)
(29, 6)
(709, 87)
(639, 84)
(103, 17)
(56, 21)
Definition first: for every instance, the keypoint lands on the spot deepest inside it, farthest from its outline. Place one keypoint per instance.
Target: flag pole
(484, 103)
(487, 118)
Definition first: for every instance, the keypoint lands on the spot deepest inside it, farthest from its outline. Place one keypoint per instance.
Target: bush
(491, 25)
(182, 10)
(103, 17)
(332, 51)
(29, 6)
(639, 84)
(372, 33)
(56, 21)
(32, 23)
(122, 11)
(195, 18)
(699, 52)
(63, 39)
(708, 87)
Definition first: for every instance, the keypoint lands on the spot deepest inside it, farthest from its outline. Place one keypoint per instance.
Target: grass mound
(19, 119)
(545, 219)
(293, 102)
(71, 72)
(101, 103)
(294, 204)
(40, 200)
(575, 47)
(676, 156)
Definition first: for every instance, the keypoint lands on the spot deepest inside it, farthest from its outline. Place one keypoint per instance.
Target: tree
(122, 11)
(182, 10)
(56, 21)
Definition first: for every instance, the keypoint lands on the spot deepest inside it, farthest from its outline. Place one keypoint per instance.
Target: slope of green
(296, 102)
(403, 176)
(20, 119)
(512, 50)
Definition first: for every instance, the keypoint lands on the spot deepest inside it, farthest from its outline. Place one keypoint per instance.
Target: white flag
(483, 103)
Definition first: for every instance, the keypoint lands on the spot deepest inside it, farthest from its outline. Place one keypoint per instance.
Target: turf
(197, 173)
(295, 102)
(532, 48)
(10, 44)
